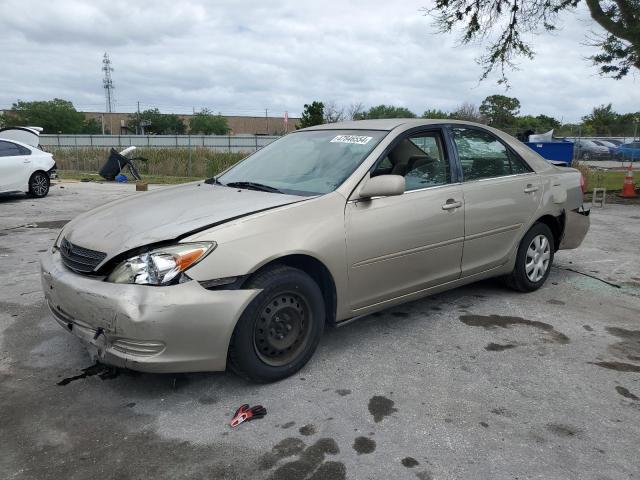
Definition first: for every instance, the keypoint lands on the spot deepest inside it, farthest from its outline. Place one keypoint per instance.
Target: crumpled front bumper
(177, 328)
(576, 226)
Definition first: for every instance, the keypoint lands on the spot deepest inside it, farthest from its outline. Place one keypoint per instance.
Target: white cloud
(243, 57)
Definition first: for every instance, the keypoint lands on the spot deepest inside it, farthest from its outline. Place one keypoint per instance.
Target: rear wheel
(281, 328)
(39, 185)
(533, 260)
(586, 156)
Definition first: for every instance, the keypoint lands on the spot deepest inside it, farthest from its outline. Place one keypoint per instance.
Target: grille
(80, 259)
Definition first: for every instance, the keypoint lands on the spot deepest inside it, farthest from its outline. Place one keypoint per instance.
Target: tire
(586, 156)
(39, 185)
(525, 278)
(280, 329)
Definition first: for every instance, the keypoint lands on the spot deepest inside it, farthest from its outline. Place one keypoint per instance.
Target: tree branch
(606, 22)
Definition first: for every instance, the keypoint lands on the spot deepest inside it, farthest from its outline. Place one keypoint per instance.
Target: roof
(385, 124)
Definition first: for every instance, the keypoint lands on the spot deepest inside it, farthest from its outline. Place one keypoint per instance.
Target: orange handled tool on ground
(244, 414)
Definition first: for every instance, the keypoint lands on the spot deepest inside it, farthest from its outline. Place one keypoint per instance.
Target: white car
(23, 166)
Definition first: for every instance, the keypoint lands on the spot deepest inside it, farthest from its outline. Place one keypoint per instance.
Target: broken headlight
(160, 266)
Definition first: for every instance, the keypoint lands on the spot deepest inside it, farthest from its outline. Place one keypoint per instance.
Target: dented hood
(165, 214)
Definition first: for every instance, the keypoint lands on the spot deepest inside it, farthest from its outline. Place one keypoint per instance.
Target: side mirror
(383, 186)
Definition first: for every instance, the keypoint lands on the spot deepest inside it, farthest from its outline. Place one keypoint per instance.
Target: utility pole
(266, 117)
(138, 123)
(107, 82)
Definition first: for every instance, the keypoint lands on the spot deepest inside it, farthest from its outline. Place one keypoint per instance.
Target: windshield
(305, 163)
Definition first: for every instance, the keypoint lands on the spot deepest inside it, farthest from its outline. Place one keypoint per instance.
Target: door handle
(26, 160)
(531, 188)
(450, 204)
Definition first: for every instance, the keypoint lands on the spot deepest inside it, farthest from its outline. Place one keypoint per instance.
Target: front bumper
(576, 226)
(178, 328)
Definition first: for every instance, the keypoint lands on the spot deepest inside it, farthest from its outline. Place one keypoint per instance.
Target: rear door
(401, 244)
(501, 194)
(13, 167)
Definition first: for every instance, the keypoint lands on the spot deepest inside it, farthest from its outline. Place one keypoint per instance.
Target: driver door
(402, 244)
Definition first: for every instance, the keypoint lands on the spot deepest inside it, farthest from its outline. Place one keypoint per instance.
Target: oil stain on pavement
(364, 445)
(629, 346)
(626, 393)
(381, 407)
(104, 372)
(566, 431)
(283, 449)
(307, 430)
(496, 347)
(618, 366)
(309, 464)
(492, 322)
(553, 301)
(409, 462)
(628, 349)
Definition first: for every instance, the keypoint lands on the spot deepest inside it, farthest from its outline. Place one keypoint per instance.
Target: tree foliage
(386, 111)
(153, 122)
(91, 126)
(313, 114)
(207, 123)
(469, 112)
(436, 114)
(603, 120)
(500, 111)
(333, 113)
(506, 24)
(539, 123)
(54, 116)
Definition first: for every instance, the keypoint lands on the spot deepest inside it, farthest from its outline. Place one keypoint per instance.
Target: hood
(165, 214)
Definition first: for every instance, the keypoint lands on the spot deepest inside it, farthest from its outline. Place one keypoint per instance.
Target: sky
(241, 57)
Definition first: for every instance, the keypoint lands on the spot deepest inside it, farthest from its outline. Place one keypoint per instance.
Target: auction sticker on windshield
(359, 139)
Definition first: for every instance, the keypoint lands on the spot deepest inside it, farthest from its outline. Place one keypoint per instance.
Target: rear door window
(482, 155)
(8, 149)
(23, 150)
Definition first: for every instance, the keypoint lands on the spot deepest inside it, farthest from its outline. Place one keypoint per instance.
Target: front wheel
(39, 185)
(586, 156)
(533, 260)
(281, 328)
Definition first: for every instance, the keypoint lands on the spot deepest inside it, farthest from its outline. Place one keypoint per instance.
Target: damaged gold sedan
(322, 226)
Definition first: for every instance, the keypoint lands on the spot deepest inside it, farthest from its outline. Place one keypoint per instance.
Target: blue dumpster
(560, 151)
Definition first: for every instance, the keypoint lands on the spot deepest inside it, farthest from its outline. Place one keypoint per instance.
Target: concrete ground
(476, 383)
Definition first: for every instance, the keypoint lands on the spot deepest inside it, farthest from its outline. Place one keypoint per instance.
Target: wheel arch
(317, 270)
(556, 225)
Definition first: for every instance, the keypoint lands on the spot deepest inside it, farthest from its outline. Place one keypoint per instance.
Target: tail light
(583, 185)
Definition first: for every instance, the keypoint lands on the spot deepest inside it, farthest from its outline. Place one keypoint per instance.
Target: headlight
(161, 266)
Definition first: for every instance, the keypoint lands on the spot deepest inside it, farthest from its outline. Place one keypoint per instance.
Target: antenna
(107, 82)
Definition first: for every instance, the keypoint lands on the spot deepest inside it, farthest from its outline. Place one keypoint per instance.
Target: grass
(197, 162)
(612, 181)
(93, 176)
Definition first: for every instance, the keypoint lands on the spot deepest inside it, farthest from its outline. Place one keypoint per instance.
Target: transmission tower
(107, 82)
